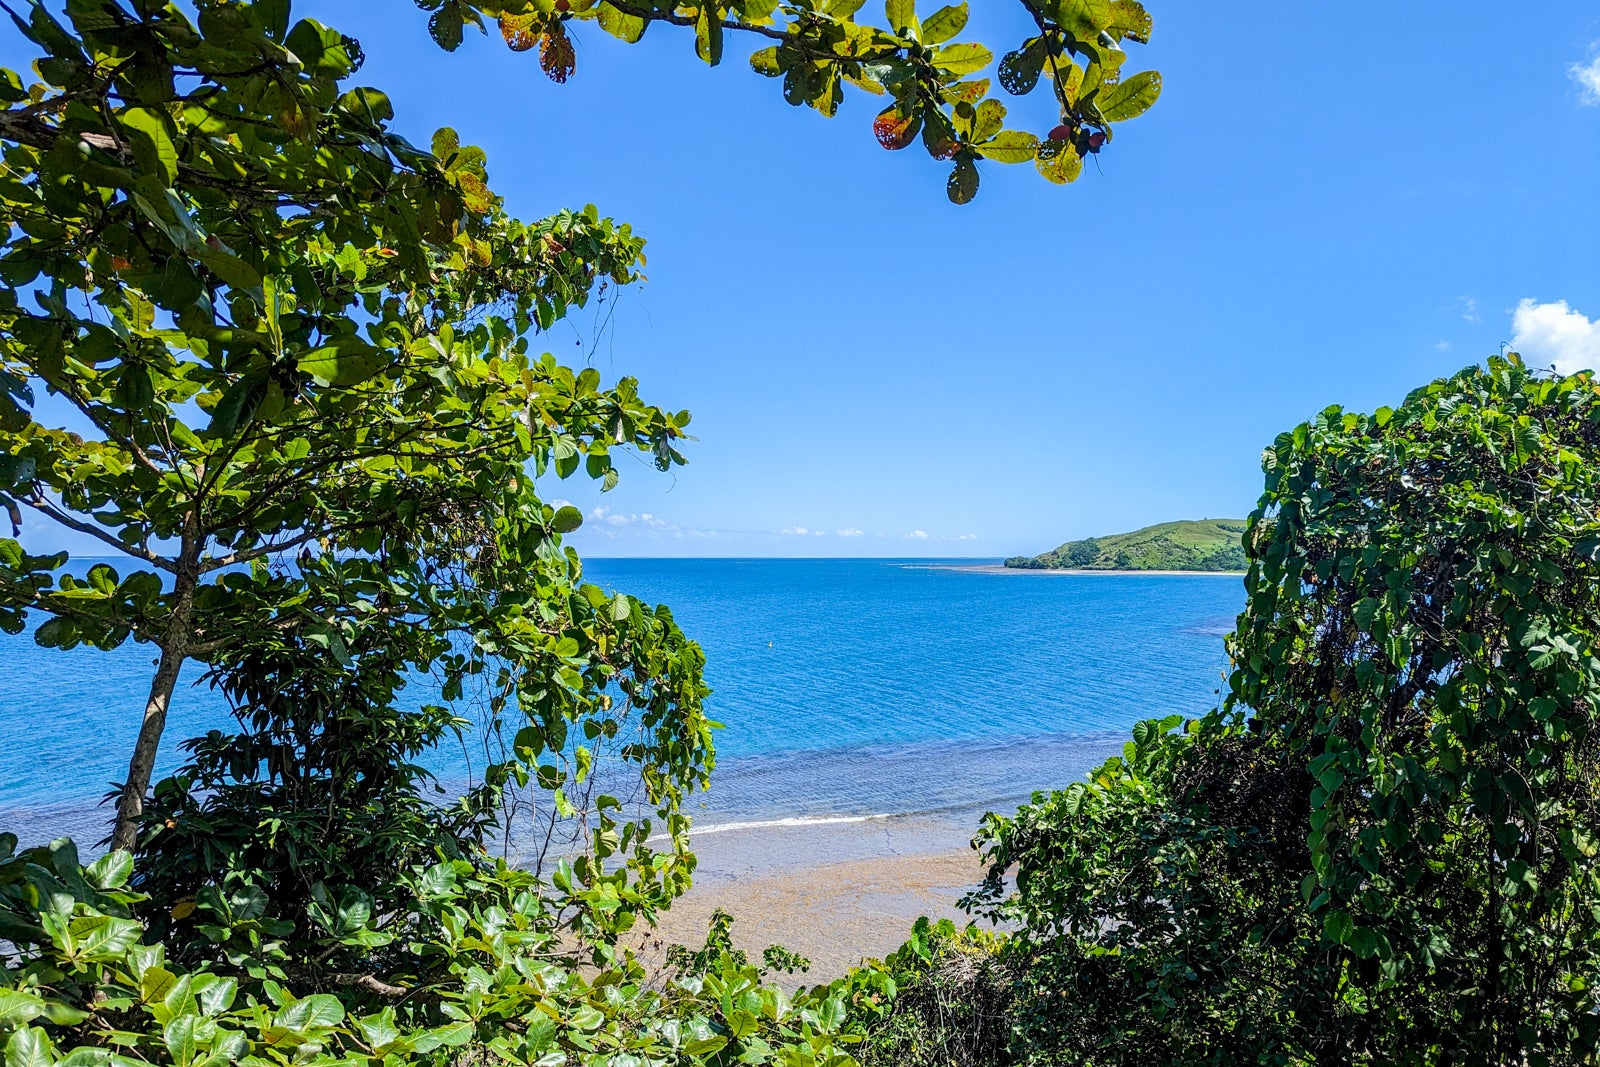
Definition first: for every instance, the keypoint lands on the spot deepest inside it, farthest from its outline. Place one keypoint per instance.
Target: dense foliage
(1381, 849)
(1192, 545)
(82, 988)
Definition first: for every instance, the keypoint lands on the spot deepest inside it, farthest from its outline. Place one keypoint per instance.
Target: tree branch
(55, 514)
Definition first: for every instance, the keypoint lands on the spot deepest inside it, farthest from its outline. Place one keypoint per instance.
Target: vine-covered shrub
(1382, 848)
(944, 997)
(81, 988)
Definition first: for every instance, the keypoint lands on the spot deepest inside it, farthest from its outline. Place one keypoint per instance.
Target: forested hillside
(1190, 545)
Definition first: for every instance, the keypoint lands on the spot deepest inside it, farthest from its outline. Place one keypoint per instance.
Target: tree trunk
(174, 650)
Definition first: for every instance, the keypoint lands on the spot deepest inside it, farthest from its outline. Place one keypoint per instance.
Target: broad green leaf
(1010, 146)
(1130, 98)
(1059, 161)
(902, 16)
(102, 937)
(349, 361)
(567, 519)
(179, 1036)
(112, 870)
(944, 23)
(149, 133)
(764, 61)
(18, 1008)
(959, 59)
(317, 1010)
(962, 185)
(619, 24)
(708, 33)
(29, 1047)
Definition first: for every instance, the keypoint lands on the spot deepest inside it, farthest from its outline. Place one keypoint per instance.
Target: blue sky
(1325, 207)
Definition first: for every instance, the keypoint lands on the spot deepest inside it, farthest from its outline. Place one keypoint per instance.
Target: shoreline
(837, 894)
(1000, 568)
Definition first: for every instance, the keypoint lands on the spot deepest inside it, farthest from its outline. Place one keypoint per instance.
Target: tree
(282, 327)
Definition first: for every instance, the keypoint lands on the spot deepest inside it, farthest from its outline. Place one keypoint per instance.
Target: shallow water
(849, 688)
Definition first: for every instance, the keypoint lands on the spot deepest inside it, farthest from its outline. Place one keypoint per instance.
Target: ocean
(849, 689)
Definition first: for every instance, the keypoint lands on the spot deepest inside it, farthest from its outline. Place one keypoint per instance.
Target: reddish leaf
(518, 30)
(556, 57)
(893, 130)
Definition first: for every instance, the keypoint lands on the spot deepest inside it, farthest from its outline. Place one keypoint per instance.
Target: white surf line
(766, 824)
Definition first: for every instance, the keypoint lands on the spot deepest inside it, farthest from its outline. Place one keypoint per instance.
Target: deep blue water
(847, 687)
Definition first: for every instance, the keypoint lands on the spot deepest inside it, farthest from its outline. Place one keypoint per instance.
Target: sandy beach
(834, 892)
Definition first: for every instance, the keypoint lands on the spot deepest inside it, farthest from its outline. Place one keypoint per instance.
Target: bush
(944, 997)
(1381, 849)
(81, 988)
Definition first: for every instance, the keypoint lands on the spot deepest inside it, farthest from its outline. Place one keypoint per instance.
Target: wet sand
(835, 893)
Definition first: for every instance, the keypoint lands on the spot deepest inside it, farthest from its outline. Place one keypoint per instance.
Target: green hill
(1204, 545)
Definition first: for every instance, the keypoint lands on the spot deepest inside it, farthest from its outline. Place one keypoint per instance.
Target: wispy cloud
(1554, 334)
(969, 537)
(1469, 310)
(1443, 346)
(917, 535)
(849, 531)
(1586, 76)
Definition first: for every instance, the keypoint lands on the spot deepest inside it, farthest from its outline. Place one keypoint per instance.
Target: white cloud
(1469, 310)
(917, 535)
(1443, 346)
(795, 531)
(969, 537)
(848, 531)
(1587, 77)
(1553, 334)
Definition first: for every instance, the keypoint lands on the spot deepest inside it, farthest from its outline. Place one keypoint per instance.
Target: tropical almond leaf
(944, 23)
(963, 183)
(1059, 161)
(1131, 98)
(620, 24)
(962, 59)
(1010, 146)
(348, 361)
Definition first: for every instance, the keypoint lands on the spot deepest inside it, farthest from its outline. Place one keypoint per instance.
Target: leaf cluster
(931, 80)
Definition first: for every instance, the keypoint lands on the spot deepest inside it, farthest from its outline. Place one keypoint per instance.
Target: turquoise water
(848, 687)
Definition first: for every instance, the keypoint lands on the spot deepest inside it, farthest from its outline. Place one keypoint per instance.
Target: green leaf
(103, 937)
(1059, 161)
(962, 185)
(1132, 97)
(619, 24)
(764, 61)
(902, 15)
(179, 1036)
(29, 1047)
(238, 405)
(150, 136)
(348, 361)
(708, 33)
(959, 59)
(18, 1008)
(567, 519)
(317, 1010)
(944, 23)
(112, 870)
(1010, 146)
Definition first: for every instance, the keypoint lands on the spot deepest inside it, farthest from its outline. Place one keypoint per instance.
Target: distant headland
(1190, 545)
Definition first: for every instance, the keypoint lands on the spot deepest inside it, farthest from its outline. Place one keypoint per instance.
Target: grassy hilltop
(1190, 545)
